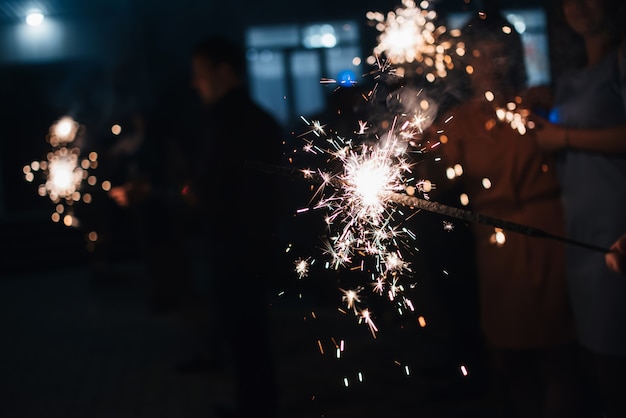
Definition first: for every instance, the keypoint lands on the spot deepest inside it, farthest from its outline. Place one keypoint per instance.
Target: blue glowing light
(346, 78)
(553, 115)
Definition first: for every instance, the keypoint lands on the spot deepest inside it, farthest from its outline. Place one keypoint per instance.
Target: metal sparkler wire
(435, 207)
(474, 217)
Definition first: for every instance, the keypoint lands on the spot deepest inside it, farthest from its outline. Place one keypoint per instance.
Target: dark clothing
(238, 202)
(605, 375)
(238, 209)
(541, 382)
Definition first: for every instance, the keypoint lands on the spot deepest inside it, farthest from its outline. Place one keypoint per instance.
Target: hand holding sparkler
(120, 195)
(130, 193)
(616, 259)
(550, 137)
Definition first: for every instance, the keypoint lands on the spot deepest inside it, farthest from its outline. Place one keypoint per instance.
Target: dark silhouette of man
(237, 208)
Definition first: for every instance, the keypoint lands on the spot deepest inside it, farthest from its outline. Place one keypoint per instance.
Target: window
(286, 64)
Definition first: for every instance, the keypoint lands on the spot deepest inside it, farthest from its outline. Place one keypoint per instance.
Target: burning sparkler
(366, 198)
(365, 226)
(410, 34)
(366, 187)
(64, 171)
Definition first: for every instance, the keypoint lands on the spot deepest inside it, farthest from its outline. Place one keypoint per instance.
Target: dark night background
(78, 336)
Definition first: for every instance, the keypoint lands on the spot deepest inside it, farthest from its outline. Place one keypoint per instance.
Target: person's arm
(551, 138)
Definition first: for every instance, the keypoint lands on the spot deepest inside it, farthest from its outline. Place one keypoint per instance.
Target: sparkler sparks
(362, 127)
(364, 184)
(365, 226)
(516, 118)
(379, 285)
(419, 109)
(316, 127)
(359, 207)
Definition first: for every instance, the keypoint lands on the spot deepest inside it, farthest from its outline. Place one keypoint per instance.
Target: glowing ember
(448, 226)
(302, 267)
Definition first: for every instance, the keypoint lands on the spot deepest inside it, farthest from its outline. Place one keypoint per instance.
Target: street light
(34, 18)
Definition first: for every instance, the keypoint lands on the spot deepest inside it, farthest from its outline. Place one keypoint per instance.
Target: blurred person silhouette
(525, 314)
(148, 168)
(587, 131)
(238, 208)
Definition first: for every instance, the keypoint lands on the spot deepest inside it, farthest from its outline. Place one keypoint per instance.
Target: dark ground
(74, 346)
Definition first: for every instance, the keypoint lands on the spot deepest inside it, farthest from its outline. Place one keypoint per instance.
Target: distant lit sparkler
(64, 171)
(410, 34)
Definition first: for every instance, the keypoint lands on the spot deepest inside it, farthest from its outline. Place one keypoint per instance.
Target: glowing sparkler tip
(409, 34)
(63, 131)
